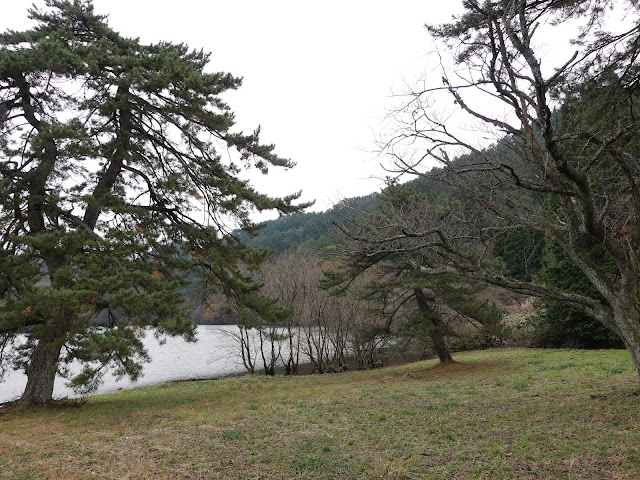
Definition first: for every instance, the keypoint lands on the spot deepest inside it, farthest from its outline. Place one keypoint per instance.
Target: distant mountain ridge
(317, 228)
(312, 228)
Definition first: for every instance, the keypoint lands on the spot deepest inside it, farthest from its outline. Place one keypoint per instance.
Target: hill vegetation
(317, 229)
(312, 229)
(522, 254)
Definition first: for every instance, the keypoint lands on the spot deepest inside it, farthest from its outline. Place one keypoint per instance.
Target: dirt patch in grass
(441, 371)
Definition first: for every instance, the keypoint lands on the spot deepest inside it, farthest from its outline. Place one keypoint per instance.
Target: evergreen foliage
(521, 251)
(420, 303)
(109, 151)
(564, 326)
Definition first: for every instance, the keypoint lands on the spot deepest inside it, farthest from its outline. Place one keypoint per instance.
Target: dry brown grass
(497, 414)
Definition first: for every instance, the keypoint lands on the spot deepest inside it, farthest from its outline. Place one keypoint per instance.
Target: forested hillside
(317, 229)
(523, 253)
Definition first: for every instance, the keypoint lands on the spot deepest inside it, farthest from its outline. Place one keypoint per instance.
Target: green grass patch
(233, 435)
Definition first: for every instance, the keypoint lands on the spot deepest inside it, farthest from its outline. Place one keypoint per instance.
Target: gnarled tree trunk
(627, 321)
(437, 338)
(41, 374)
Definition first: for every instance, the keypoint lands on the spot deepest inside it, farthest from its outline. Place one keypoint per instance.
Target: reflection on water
(215, 354)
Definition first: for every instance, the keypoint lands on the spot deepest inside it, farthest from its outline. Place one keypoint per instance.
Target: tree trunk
(627, 320)
(291, 367)
(41, 374)
(441, 348)
(437, 338)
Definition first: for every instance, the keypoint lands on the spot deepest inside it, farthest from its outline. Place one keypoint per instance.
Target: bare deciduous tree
(567, 162)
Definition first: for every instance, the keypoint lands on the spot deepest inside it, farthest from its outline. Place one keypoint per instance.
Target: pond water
(216, 354)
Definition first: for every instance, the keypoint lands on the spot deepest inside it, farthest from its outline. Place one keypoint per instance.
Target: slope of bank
(498, 414)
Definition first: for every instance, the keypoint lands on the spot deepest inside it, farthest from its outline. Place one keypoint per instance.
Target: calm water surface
(215, 354)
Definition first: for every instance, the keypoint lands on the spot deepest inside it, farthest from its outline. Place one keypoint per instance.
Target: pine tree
(377, 241)
(110, 152)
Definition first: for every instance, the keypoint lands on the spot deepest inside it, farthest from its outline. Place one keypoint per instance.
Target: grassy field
(497, 414)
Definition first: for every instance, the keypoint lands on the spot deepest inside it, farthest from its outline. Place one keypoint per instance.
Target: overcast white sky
(317, 76)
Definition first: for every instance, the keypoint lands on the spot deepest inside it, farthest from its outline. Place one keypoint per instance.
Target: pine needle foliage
(119, 176)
